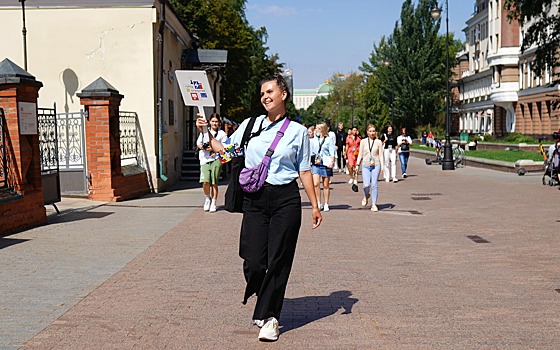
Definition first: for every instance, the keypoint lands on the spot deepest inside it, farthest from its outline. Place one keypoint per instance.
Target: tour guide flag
(195, 89)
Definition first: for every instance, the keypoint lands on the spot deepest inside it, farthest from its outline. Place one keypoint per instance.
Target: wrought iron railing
(3, 155)
(132, 146)
(48, 140)
(71, 140)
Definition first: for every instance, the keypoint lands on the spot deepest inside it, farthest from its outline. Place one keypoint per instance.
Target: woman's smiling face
(272, 97)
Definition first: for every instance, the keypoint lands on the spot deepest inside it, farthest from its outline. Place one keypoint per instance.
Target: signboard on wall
(27, 113)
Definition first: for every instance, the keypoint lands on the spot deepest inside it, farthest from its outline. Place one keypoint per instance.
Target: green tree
(222, 24)
(407, 69)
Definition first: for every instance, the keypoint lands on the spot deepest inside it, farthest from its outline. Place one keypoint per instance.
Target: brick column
(18, 95)
(102, 101)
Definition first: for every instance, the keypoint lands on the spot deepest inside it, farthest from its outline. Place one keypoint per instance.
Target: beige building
(72, 43)
(499, 93)
(490, 84)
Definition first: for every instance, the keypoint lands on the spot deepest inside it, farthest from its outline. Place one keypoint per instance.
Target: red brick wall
(24, 173)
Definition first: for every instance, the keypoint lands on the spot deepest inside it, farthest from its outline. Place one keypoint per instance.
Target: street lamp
(387, 64)
(24, 32)
(447, 162)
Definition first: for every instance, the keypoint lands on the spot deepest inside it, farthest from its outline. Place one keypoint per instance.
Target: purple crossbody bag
(252, 179)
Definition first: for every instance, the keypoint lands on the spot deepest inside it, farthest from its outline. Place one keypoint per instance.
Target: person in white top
(210, 165)
(371, 159)
(332, 135)
(403, 143)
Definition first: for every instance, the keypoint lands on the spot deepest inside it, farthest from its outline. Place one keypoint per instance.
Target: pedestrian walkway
(465, 259)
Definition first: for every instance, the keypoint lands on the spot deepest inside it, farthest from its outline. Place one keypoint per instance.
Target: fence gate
(72, 153)
(48, 150)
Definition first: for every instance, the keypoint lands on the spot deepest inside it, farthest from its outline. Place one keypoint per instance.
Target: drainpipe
(161, 30)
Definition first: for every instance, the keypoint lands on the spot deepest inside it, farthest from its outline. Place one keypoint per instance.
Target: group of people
(272, 215)
(373, 155)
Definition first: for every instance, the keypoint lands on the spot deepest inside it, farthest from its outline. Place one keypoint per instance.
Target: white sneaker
(355, 182)
(207, 203)
(326, 207)
(404, 176)
(351, 181)
(395, 179)
(386, 179)
(258, 323)
(269, 331)
(213, 206)
(346, 171)
(374, 207)
(364, 201)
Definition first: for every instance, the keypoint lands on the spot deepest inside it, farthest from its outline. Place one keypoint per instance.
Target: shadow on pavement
(298, 312)
(6, 242)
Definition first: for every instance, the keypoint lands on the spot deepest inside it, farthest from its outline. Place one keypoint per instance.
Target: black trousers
(340, 160)
(269, 233)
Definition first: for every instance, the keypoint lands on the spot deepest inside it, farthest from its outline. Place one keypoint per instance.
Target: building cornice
(38, 4)
(538, 90)
(506, 56)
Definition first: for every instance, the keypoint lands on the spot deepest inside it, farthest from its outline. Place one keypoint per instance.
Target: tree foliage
(543, 33)
(406, 72)
(222, 24)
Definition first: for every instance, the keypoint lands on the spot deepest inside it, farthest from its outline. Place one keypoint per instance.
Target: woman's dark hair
(217, 116)
(282, 84)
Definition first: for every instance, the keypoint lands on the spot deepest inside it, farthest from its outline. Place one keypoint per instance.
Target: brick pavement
(407, 277)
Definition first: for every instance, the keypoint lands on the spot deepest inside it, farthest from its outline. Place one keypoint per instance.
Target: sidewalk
(159, 273)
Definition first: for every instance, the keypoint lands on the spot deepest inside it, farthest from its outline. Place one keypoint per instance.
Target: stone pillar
(102, 101)
(23, 208)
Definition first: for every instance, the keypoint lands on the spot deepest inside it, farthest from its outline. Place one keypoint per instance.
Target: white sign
(27, 118)
(195, 89)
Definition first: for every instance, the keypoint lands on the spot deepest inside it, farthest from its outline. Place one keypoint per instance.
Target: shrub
(516, 137)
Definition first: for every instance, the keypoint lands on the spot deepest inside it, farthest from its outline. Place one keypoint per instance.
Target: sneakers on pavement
(207, 203)
(351, 181)
(269, 331)
(364, 201)
(213, 206)
(326, 207)
(404, 176)
(395, 179)
(258, 323)
(320, 205)
(386, 179)
(355, 182)
(374, 208)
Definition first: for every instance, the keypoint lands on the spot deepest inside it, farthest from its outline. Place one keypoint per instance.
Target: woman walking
(371, 159)
(210, 165)
(404, 141)
(390, 153)
(322, 158)
(272, 215)
(352, 150)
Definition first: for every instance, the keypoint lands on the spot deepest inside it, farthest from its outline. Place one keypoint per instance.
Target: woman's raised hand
(201, 122)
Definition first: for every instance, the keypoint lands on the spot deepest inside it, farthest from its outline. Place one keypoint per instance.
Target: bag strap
(247, 132)
(279, 135)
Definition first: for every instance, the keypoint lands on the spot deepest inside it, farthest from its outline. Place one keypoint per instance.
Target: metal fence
(132, 147)
(3, 160)
(48, 140)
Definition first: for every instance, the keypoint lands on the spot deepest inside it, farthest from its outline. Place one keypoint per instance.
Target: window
(171, 112)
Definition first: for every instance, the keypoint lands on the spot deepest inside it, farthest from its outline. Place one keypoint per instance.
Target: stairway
(190, 166)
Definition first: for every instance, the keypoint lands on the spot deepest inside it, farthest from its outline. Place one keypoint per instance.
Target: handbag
(252, 179)
(234, 196)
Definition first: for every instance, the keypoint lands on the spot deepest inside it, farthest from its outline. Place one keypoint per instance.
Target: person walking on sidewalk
(210, 165)
(371, 159)
(403, 142)
(340, 143)
(272, 215)
(322, 159)
(352, 150)
(389, 140)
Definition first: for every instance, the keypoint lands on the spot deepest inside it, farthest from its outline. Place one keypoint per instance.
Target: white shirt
(205, 156)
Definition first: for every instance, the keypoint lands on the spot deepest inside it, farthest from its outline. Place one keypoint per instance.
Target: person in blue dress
(272, 215)
(323, 152)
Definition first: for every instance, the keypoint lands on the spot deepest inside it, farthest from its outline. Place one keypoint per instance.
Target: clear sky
(317, 38)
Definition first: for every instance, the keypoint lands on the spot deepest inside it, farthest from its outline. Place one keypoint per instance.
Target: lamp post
(447, 162)
(24, 32)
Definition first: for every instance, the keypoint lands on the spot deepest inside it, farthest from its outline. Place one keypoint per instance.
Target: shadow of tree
(298, 312)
